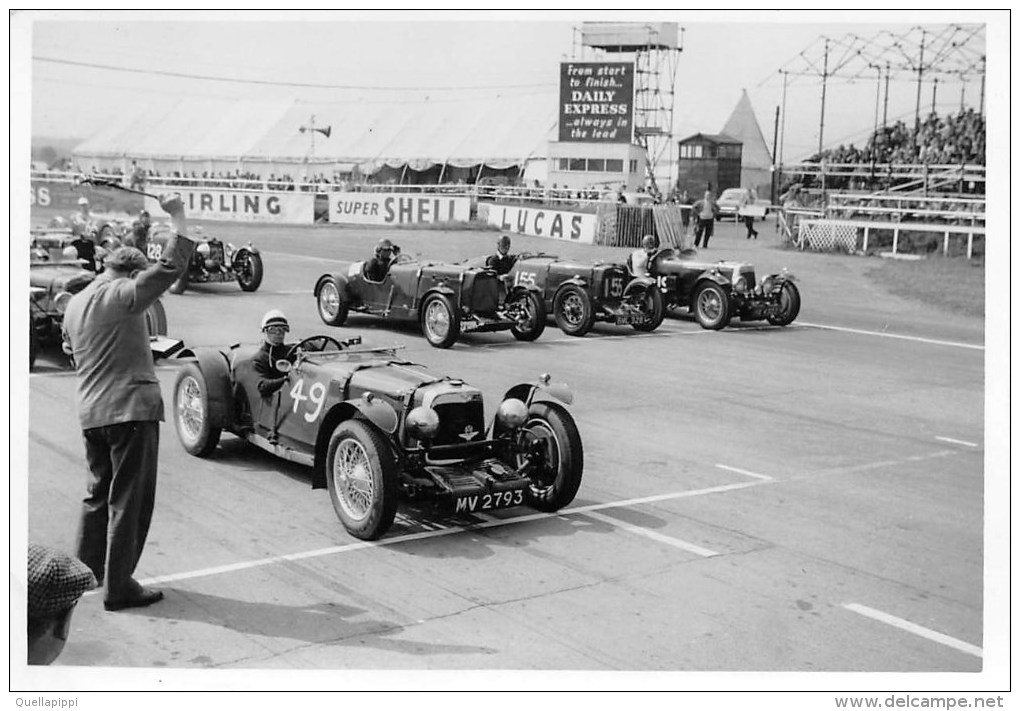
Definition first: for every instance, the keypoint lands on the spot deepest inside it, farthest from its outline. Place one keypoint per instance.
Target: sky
(85, 68)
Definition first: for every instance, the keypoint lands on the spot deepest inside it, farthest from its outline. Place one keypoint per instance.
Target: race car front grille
(460, 423)
(484, 296)
(215, 255)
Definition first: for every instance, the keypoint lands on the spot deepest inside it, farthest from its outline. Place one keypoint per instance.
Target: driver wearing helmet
(385, 254)
(274, 329)
(640, 260)
(502, 261)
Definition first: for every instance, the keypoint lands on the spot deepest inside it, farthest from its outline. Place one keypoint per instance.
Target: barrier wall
(542, 222)
(382, 209)
(249, 206)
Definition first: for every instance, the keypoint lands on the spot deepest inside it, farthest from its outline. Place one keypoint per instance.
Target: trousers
(703, 230)
(117, 508)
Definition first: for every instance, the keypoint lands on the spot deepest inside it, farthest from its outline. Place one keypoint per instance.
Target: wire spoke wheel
(190, 409)
(352, 477)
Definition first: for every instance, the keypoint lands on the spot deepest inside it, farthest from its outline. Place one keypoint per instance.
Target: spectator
(55, 583)
(706, 210)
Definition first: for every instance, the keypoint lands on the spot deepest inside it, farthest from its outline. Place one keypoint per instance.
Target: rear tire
(535, 323)
(249, 269)
(711, 306)
(361, 476)
(331, 303)
(573, 310)
(440, 321)
(564, 456)
(192, 416)
(789, 298)
(652, 306)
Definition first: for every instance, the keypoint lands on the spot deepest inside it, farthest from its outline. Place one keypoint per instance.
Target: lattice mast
(655, 50)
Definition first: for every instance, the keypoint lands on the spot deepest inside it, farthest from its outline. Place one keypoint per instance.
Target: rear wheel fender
(217, 377)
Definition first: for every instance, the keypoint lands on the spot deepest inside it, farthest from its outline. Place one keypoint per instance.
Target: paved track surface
(799, 499)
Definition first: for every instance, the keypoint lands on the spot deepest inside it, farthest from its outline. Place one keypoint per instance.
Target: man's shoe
(144, 598)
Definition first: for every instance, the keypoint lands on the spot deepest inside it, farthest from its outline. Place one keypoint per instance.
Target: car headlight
(767, 283)
(203, 249)
(423, 422)
(60, 301)
(512, 413)
(740, 285)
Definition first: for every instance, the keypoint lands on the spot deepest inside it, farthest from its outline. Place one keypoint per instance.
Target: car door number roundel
(315, 398)
(614, 287)
(526, 278)
(153, 250)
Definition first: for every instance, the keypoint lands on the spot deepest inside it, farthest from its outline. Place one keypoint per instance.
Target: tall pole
(934, 90)
(920, 72)
(981, 106)
(775, 138)
(825, 75)
(782, 131)
(878, 92)
(963, 89)
(885, 107)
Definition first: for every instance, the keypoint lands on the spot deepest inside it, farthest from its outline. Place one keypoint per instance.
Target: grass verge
(954, 284)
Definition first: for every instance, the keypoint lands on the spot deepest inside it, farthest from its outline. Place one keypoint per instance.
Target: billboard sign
(597, 102)
(403, 209)
(247, 206)
(544, 222)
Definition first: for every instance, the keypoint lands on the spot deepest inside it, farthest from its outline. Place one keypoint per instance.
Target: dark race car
(445, 299)
(715, 292)
(51, 286)
(377, 429)
(580, 294)
(214, 261)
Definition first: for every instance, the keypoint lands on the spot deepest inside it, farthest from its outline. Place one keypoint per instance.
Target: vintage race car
(377, 429)
(580, 294)
(446, 299)
(213, 261)
(106, 230)
(715, 292)
(51, 286)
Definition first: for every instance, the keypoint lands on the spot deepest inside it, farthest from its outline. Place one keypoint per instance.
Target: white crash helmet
(274, 317)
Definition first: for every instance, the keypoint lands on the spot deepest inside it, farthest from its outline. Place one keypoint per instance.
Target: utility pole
(775, 138)
(782, 132)
(885, 107)
(920, 72)
(934, 90)
(825, 74)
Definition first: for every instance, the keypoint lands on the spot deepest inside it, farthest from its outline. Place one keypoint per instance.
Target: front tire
(248, 266)
(192, 416)
(711, 306)
(789, 300)
(155, 319)
(331, 303)
(361, 476)
(440, 321)
(552, 427)
(573, 310)
(534, 324)
(650, 298)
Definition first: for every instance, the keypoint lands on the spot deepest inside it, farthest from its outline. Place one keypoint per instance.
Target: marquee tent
(218, 136)
(756, 159)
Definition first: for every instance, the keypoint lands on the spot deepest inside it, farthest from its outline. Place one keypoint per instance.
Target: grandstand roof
(498, 132)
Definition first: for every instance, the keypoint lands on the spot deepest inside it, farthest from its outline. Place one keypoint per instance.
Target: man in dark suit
(502, 261)
(120, 407)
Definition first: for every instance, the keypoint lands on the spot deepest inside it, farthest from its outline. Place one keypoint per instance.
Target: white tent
(221, 136)
(756, 159)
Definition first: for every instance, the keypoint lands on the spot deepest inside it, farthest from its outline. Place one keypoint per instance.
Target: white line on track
(916, 339)
(655, 536)
(908, 626)
(763, 477)
(306, 258)
(488, 522)
(957, 441)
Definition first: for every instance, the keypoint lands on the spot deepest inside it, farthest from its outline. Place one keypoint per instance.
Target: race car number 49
(486, 502)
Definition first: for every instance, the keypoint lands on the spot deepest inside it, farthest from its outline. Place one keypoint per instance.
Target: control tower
(655, 48)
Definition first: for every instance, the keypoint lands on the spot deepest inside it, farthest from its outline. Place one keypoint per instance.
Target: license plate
(628, 319)
(487, 502)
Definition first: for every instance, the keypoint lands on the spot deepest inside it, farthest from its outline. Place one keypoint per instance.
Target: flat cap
(126, 259)
(55, 581)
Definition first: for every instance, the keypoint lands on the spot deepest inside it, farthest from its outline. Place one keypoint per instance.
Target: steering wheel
(316, 344)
